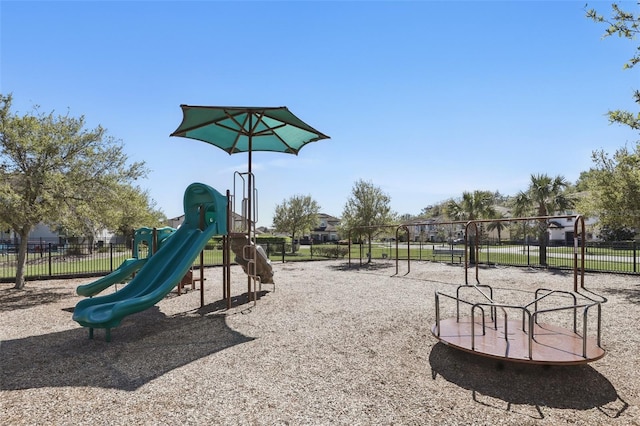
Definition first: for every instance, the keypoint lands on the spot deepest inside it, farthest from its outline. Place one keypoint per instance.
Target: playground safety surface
(331, 345)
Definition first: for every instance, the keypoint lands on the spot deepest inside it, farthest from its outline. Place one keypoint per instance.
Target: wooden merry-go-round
(551, 327)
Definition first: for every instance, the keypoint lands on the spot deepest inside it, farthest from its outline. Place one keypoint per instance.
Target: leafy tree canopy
(614, 182)
(56, 172)
(367, 211)
(296, 215)
(473, 205)
(624, 24)
(368, 206)
(433, 211)
(614, 188)
(545, 196)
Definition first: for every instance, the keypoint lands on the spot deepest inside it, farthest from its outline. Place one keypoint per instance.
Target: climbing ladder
(241, 239)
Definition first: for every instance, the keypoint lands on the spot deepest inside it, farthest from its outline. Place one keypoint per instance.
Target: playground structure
(236, 129)
(360, 230)
(205, 213)
(146, 242)
(168, 261)
(514, 330)
(241, 239)
(233, 129)
(495, 324)
(401, 232)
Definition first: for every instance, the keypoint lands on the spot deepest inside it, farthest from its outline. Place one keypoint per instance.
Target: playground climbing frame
(554, 327)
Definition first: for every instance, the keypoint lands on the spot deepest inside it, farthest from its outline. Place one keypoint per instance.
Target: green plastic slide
(130, 266)
(120, 275)
(205, 216)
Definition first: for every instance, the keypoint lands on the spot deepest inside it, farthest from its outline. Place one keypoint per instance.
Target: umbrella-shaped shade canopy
(246, 129)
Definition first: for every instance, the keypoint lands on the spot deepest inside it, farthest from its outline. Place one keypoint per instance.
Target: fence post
(283, 248)
(634, 255)
(50, 261)
(111, 256)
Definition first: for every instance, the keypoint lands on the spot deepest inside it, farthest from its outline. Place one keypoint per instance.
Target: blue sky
(424, 99)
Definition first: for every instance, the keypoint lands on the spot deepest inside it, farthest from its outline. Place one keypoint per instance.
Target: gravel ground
(331, 345)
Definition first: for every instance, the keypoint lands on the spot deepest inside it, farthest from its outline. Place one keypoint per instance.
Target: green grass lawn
(599, 259)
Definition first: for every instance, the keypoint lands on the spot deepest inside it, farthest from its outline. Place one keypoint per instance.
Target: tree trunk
(542, 249)
(22, 260)
(472, 248)
(543, 242)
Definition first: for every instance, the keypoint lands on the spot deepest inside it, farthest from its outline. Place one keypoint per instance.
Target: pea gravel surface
(330, 344)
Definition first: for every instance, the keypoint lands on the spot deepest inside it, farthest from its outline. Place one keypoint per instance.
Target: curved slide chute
(129, 266)
(125, 270)
(263, 265)
(205, 216)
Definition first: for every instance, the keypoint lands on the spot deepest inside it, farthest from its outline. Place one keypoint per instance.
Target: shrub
(212, 245)
(330, 251)
(77, 250)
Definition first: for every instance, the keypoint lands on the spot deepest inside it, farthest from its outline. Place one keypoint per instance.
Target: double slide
(205, 216)
(154, 238)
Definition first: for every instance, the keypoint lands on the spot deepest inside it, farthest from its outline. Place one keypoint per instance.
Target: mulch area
(328, 345)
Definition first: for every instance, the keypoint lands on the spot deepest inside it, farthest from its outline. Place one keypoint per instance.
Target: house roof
(328, 217)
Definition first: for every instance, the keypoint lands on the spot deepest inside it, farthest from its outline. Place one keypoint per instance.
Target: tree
(296, 215)
(545, 196)
(133, 208)
(614, 190)
(366, 211)
(56, 172)
(129, 208)
(614, 183)
(498, 226)
(473, 205)
(617, 234)
(626, 25)
(432, 211)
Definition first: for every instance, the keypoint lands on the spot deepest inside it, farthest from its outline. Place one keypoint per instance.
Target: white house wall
(43, 235)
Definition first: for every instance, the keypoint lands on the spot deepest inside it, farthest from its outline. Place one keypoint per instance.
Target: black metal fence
(46, 261)
(55, 261)
(615, 257)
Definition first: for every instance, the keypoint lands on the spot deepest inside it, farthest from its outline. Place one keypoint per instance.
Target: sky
(424, 99)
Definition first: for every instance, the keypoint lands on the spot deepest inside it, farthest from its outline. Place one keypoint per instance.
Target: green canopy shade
(246, 129)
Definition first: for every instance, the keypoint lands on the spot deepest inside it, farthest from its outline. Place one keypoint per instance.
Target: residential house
(433, 230)
(326, 231)
(562, 231)
(42, 235)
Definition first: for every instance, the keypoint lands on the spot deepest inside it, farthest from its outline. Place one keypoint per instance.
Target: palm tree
(473, 205)
(499, 226)
(545, 196)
